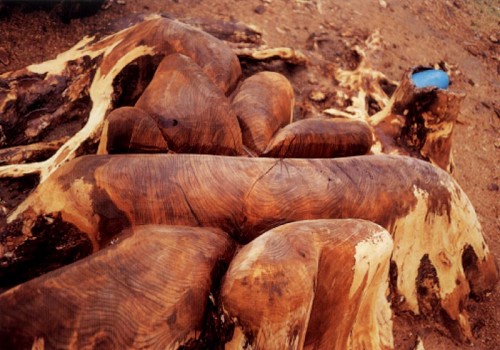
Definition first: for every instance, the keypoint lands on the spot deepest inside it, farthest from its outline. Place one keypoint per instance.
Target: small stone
(260, 9)
(493, 38)
(313, 81)
(317, 96)
(120, 2)
(493, 187)
(382, 4)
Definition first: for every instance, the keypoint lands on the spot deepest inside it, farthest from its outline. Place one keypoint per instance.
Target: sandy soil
(462, 35)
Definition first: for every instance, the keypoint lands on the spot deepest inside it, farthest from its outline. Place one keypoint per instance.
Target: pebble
(3, 210)
(493, 187)
(313, 80)
(260, 9)
(107, 5)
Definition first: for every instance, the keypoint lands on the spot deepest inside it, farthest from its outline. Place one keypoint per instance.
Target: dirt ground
(461, 35)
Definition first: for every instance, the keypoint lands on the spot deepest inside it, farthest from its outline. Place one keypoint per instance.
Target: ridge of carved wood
(98, 64)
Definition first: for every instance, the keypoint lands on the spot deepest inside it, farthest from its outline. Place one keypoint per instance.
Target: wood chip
(317, 96)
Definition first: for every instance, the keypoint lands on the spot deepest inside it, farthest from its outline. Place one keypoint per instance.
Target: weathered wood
(317, 284)
(232, 31)
(193, 115)
(321, 138)
(439, 254)
(425, 210)
(263, 104)
(418, 122)
(87, 75)
(149, 290)
(30, 153)
(264, 53)
(414, 121)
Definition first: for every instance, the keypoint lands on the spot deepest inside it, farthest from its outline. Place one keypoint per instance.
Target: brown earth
(462, 36)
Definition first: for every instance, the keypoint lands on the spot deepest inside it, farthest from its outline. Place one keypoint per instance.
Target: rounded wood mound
(317, 284)
(263, 103)
(148, 290)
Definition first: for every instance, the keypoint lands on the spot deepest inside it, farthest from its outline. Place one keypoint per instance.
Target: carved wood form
(232, 251)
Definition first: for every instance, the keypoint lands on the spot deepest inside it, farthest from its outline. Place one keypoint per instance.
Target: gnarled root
(417, 122)
(90, 71)
(30, 153)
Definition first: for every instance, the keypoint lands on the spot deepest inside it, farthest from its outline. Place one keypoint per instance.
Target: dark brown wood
(193, 115)
(263, 103)
(321, 138)
(317, 284)
(150, 289)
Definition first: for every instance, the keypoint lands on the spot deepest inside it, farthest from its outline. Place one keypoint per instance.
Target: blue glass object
(431, 77)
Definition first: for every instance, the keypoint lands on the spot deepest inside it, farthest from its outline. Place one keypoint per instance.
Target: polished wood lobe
(149, 289)
(263, 104)
(321, 138)
(193, 115)
(315, 284)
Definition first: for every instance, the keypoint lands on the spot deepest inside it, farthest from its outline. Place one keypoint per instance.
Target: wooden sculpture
(158, 231)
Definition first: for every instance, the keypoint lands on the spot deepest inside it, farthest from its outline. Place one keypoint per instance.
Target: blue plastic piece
(432, 77)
